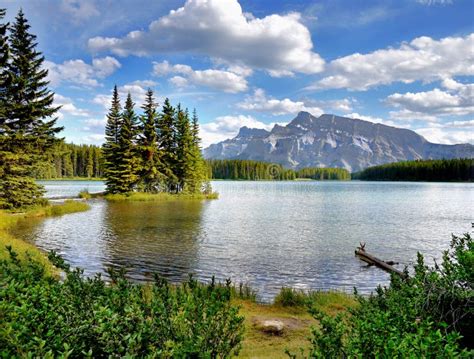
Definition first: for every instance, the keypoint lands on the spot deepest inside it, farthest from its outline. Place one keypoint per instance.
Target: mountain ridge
(332, 141)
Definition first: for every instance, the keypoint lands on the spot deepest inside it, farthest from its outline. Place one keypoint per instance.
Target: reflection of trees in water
(153, 237)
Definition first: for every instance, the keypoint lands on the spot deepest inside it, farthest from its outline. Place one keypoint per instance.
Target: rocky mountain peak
(332, 141)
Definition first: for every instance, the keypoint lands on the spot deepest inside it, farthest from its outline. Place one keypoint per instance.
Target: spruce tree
(27, 126)
(167, 143)
(199, 172)
(152, 171)
(184, 145)
(111, 146)
(127, 166)
(4, 56)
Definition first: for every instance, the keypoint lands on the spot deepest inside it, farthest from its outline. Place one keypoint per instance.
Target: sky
(404, 63)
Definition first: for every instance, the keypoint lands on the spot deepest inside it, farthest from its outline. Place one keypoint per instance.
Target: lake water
(266, 234)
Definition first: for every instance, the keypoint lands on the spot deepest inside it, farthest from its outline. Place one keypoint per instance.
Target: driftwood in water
(371, 260)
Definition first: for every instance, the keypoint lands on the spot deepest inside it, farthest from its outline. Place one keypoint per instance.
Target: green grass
(150, 197)
(291, 308)
(72, 179)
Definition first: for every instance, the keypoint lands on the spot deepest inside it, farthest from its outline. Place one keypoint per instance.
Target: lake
(266, 234)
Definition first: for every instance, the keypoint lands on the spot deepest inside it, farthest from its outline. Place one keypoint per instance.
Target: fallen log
(372, 260)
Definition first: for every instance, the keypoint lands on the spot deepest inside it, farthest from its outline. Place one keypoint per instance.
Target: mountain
(332, 141)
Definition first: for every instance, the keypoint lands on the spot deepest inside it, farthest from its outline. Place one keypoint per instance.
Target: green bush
(289, 297)
(428, 315)
(86, 317)
(84, 194)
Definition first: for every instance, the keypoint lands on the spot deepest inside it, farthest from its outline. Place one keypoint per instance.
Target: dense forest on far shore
(255, 170)
(456, 170)
(69, 160)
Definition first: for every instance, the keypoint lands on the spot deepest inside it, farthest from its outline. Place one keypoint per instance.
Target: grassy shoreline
(290, 306)
(152, 197)
(10, 219)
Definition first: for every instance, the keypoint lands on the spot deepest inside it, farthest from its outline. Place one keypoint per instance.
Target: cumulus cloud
(220, 30)
(68, 108)
(137, 89)
(374, 119)
(95, 125)
(455, 100)
(80, 73)
(225, 127)
(226, 81)
(446, 135)
(261, 103)
(79, 9)
(423, 59)
(434, 2)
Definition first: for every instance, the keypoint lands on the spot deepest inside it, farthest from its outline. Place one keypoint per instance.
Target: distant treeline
(255, 170)
(68, 160)
(420, 170)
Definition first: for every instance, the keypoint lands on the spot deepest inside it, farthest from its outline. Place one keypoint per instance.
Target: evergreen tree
(4, 56)
(167, 143)
(197, 177)
(184, 145)
(27, 126)
(127, 166)
(111, 146)
(152, 172)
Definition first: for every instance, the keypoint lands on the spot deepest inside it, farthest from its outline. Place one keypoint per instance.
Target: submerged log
(372, 260)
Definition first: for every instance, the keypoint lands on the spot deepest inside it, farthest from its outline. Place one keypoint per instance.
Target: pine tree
(197, 177)
(152, 171)
(127, 167)
(27, 126)
(167, 143)
(111, 146)
(184, 145)
(4, 56)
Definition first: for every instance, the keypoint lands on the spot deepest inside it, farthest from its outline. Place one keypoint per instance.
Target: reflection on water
(268, 234)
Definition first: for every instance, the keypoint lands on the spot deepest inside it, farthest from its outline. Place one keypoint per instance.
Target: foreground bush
(428, 315)
(79, 317)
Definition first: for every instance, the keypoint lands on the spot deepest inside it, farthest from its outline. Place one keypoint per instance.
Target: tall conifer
(27, 126)
(111, 146)
(152, 172)
(127, 167)
(167, 143)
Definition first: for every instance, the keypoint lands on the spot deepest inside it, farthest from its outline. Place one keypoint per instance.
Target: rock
(332, 141)
(275, 327)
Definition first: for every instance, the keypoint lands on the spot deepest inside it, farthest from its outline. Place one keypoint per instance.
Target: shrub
(289, 297)
(86, 317)
(84, 194)
(429, 315)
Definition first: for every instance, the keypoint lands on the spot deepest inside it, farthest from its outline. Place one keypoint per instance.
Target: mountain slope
(332, 141)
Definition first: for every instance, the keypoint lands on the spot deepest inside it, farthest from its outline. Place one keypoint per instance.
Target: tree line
(256, 170)
(459, 169)
(155, 151)
(68, 160)
(27, 114)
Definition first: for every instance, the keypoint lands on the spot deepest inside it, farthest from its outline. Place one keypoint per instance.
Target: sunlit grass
(150, 197)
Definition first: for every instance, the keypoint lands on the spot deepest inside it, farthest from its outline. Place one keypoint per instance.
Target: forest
(256, 170)
(68, 160)
(421, 170)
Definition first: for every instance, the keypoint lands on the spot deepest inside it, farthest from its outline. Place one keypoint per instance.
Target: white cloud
(261, 103)
(80, 73)
(446, 135)
(79, 9)
(434, 2)
(383, 121)
(455, 100)
(225, 127)
(220, 30)
(95, 125)
(68, 107)
(226, 81)
(423, 59)
(137, 89)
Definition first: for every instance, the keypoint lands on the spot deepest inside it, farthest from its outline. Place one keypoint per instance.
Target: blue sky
(405, 63)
